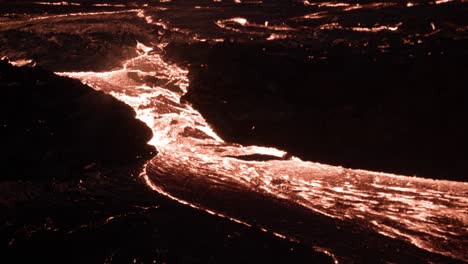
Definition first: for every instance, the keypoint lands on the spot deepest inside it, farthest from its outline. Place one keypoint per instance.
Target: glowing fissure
(233, 23)
(341, 6)
(334, 26)
(84, 14)
(57, 3)
(109, 5)
(347, 7)
(430, 214)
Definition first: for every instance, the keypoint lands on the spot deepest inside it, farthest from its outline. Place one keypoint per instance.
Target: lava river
(196, 167)
(430, 214)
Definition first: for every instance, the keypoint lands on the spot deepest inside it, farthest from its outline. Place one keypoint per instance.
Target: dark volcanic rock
(402, 111)
(118, 220)
(52, 126)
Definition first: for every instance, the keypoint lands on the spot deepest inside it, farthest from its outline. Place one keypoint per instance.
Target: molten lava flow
(425, 212)
(429, 214)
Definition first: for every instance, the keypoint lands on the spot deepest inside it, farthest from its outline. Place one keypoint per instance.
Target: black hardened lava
(53, 126)
(403, 111)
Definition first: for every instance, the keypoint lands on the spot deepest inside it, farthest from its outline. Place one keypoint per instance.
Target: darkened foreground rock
(114, 218)
(52, 126)
(403, 111)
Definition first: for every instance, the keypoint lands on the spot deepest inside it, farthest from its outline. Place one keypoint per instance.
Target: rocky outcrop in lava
(52, 126)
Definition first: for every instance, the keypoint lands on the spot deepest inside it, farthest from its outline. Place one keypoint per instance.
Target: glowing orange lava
(401, 207)
(430, 214)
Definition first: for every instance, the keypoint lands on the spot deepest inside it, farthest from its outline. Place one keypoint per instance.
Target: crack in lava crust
(430, 214)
